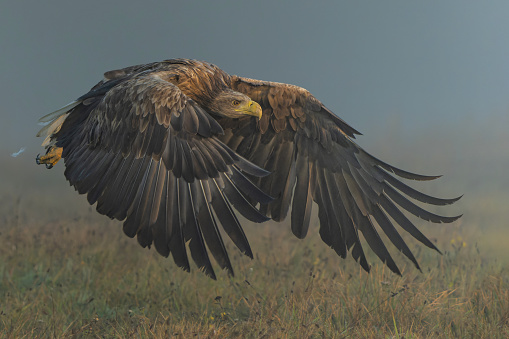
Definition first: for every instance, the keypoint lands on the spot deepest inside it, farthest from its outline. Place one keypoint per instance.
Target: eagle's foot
(51, 158)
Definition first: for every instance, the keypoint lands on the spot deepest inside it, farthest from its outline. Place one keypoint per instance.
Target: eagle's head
(231, 104)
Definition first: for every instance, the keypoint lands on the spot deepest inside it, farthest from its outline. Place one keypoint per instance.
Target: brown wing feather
(147, 153)
(351, 187)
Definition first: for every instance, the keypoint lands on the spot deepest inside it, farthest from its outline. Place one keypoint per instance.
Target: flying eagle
(174, 147)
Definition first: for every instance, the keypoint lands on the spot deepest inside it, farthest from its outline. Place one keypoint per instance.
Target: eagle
(176, 148)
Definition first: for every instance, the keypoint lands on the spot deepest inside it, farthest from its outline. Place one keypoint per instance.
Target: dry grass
(79, 276)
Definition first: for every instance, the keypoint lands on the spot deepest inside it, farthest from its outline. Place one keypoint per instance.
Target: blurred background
(427, 83)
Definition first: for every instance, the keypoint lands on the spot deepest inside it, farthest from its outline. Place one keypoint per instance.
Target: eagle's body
(171, 146)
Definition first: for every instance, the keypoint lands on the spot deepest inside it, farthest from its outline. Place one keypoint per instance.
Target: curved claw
(53, 155)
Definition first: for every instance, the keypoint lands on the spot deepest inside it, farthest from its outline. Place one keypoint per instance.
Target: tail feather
(48, 130)
(53, 121)
(54, 115)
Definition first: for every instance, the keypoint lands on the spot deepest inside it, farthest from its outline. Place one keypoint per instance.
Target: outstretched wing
(147, 153)
(312, 157)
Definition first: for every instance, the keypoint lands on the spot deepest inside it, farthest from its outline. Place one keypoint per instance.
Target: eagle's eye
(235, 102)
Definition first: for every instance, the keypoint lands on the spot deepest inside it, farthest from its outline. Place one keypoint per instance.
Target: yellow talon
(51, 158)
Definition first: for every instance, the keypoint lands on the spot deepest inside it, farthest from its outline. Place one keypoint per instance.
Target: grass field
(77, 275)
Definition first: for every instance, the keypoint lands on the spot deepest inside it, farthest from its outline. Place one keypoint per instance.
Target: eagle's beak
(252, 108)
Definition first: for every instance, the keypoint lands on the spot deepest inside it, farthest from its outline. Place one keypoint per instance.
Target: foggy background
(426, 82)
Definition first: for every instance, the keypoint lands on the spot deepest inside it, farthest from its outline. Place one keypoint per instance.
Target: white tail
(54, 115)
(53, 121)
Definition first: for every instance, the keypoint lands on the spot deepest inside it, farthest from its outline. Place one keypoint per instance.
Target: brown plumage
(164, 147)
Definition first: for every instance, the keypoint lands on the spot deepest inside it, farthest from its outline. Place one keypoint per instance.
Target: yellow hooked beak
(251, 108)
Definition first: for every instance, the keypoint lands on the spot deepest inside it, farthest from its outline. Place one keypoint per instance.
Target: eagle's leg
(51, 158)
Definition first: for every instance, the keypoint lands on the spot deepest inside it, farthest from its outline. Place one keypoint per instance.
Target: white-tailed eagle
(175, 147)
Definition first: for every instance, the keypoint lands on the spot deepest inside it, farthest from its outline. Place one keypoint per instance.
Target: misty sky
(423, 63)
(434, 73)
